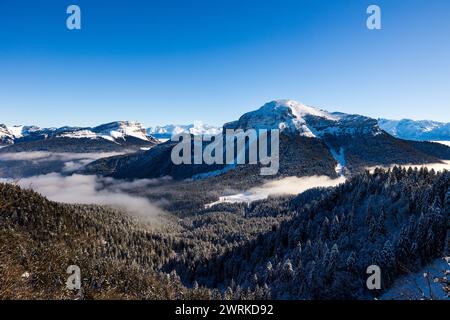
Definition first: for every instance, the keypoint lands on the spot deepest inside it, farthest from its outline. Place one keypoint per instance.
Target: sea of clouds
(91, 189)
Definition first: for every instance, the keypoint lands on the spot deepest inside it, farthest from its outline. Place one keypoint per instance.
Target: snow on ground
(127, 132)
(447, 143)
(16, 131)
(420, 285)
(107, 138)
(285, 186)
(445, 165)
(137, 131)
(80, 134)
(340, 158)
(299, 110)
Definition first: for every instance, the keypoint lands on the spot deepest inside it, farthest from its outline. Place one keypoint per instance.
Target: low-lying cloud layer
(84, 189)
(63, 156)
(285, 186)
(72, 161)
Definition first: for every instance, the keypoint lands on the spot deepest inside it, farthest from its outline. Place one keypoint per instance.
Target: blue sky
(177, 61)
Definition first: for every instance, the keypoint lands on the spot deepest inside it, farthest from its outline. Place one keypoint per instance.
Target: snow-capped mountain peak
(298, 110)
(117, 130)
(292, 117)
(121, 130)
(20, 131)
(16, 131)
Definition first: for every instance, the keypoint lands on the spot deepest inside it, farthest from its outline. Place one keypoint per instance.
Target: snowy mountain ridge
(313, 142)
(114, 131)
(416, 130)
(292, 117)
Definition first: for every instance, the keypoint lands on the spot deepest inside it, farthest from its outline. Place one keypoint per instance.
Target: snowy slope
(444, 142)
(423, 130)
(6, 137)
(16, 131)
(117, 131)
(424, 284)
(295, 118)
(24, 131)
(122, 130)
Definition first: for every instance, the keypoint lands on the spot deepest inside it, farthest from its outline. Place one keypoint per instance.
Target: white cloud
(49, 156)
(72, 161)
(89, 189)
(285, 186)
(72, 166)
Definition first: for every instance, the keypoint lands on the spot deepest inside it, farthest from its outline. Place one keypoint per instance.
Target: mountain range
(197, 128)
(422, 130)
(121, 131)
(113, 136)
(313, 141)
(124, 133)
(418, 130)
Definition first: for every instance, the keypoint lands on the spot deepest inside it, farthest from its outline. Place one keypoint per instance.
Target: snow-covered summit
(113, 131)
(299, 110)
(293, 117)
(20, 131)
(122, 130)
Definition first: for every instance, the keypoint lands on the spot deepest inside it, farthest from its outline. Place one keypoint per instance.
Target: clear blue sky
(176, 61)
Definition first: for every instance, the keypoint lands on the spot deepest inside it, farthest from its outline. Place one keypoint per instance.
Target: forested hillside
(398, 220)
(316, 245)
(117, 256)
